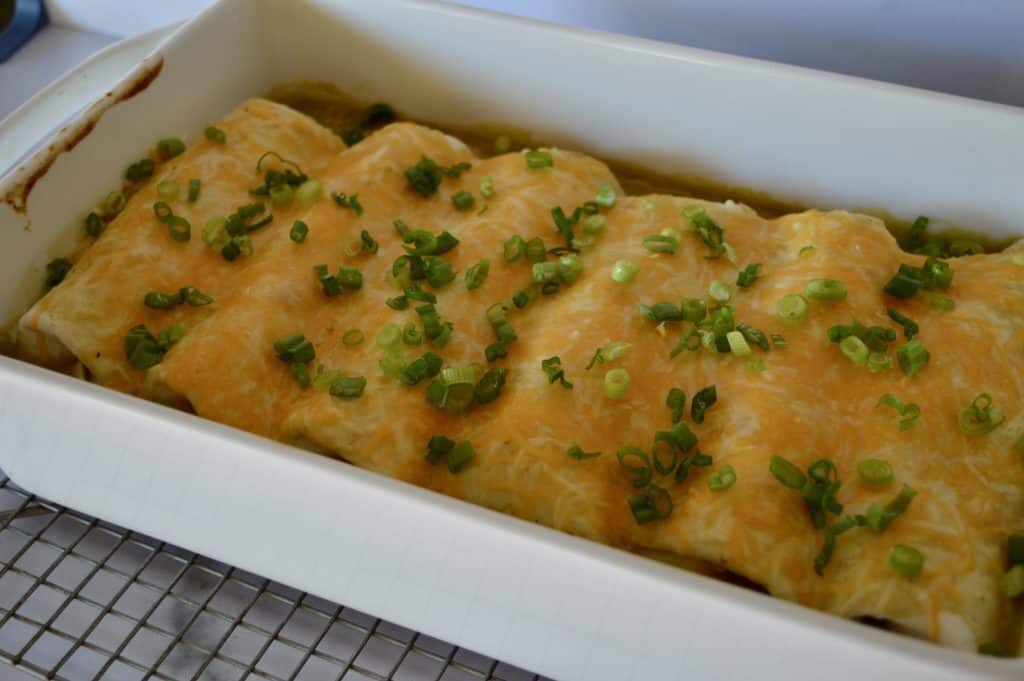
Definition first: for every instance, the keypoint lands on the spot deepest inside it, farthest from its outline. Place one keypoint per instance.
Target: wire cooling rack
(83, 599)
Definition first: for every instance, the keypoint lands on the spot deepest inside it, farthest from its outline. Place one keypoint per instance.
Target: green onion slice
(539, 159)
(981, 417)
(722, 479)
(616, 383)
(875, 471)
(701, 402)
(912, 357)
(624, 271)
(792, 307)
(552, 367)
(353, 337)
(906, 561)
(786, 472)
(825, 289)
(748, 275)
(676, 401)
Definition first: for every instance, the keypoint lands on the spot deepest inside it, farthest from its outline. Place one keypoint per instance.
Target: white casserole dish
(561, 606)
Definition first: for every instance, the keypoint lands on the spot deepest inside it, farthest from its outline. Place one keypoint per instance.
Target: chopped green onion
(488, 388)
(345, 201)
(309, 192)
(655, 503)
(295, 348)
(1018, 260)
(875, 471)
(657, 243)
(113, 204)
(912, 357)
(825, 289)
(879, 361)
(608, 353)
(282, 196)
(439, 272)
(56, 270)
(502, 143)
(576, 452)
(348, 387)
(170, 147)
(389, 337)
(140, 170)
(215, 232)
(298, 231)
(94, 225)
(189, 294)
(1012, 582)
(535, 250)
(539, 159)
(392, 363)
(162, 211)
(605, 196)
(878, 517)
(486, 187)
(693, 309)
(193, 190)
(698, 459)
(427, 366)
(676, 401)
(981, 417)
(910, 412)
(792, 307)
(722, 479)
(940, 302)
(701, 402)
(616, 383)
(462, 200)
(593, 224)
(424, 178)
(855, 349)
(786, 472)
(477, 274)
(910, 327)
(637, 464)
(513, 248)
(353, 247)
(179, 228)
(754, 336)
(353, 337)
(737, 343)
(438, 447)
(906, 561)
(710, 233)
(167, 190)
(661, 312)
(719, 291)
(569, 268)
(215, 134)
(552, 367)
(143, 350)
(624, 271)
(748, 275)
(411, 335)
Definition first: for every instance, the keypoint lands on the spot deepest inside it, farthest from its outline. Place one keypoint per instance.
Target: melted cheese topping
(808, 402)
(101, 297)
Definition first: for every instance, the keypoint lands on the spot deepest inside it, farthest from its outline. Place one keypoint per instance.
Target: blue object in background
(26, 18)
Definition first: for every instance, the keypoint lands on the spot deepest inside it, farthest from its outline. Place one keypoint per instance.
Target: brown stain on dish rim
(68, 137)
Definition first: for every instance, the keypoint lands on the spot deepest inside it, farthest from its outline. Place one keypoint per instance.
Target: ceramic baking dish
(561, 606)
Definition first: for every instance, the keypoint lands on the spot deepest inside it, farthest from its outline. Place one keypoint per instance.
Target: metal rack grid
(83, 599)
